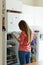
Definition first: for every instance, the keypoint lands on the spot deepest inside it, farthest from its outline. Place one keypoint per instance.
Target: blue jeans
(24, 57)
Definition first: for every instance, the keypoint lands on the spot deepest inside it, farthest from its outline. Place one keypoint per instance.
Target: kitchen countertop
(35, 63)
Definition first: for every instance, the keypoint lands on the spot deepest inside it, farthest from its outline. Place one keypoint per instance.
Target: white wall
(28, 14)
(33, 16)
(38, 17)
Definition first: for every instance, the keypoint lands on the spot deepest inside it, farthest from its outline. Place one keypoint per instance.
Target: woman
(25, 39)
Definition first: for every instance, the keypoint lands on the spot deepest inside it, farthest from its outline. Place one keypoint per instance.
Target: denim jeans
(24, 57)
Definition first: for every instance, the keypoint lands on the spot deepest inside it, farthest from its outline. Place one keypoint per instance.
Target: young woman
(25, 39)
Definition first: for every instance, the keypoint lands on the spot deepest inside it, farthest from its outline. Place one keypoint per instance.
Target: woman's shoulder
(23, 33)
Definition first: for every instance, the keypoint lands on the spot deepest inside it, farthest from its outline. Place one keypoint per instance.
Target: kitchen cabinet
(12, 21)
(14, 5)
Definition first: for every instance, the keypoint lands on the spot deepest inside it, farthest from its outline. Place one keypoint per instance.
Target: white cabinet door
(10, 22)
(13, 20)
(14, 5)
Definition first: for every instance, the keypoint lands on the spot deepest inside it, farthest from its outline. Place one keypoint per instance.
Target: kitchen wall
(38, 17)
(28, 14)
(33, 16)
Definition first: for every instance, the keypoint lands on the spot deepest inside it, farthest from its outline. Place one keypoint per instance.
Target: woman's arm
(21, 38)
(16, 38)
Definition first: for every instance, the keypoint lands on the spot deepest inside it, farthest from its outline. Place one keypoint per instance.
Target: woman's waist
(25, 44)
(25, 48)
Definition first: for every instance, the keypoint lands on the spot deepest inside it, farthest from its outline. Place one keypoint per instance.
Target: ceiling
(33, 2)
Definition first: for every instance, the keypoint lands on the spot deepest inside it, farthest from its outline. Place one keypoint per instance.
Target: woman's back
(23, 43)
